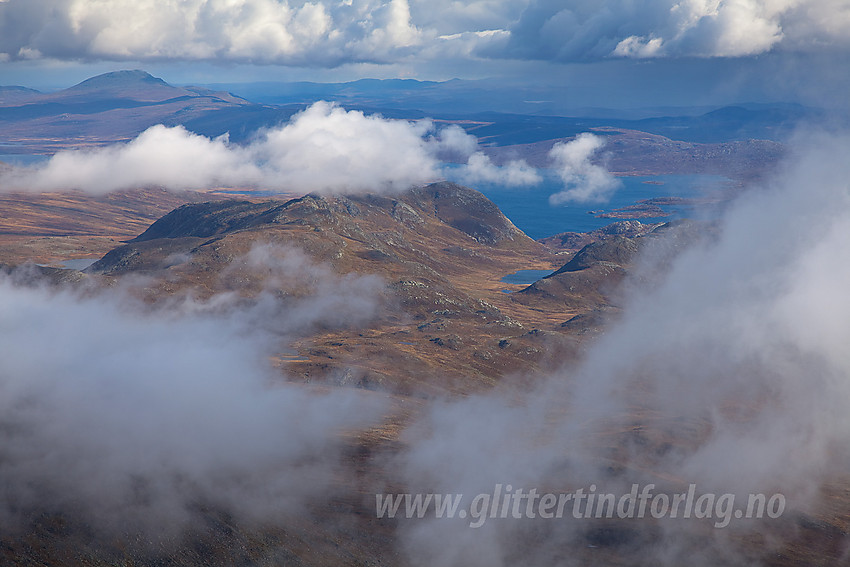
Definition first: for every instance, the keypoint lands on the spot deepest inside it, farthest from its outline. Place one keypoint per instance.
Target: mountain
(522, 114)
(459, 207)
(441, 250)
(118, 106)
(132, 85)
(138, 86)
(575, 241)
(17, 95)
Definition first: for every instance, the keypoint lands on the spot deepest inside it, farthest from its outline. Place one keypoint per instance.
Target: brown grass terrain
(48, 228)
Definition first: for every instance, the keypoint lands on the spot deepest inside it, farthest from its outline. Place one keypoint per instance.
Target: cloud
(454, 144)
(137, 416)
(474, 16)
(161, 155)
(664, 28)
(300, 294)
(729, 371)
(329, 34)
(323, 149)
(480, 168)
(725, 29)
(252, 31)
(584, 181)
(328, 148)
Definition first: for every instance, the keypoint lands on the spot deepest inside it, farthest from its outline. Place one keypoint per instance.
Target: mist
(730, 372)
(136, 417)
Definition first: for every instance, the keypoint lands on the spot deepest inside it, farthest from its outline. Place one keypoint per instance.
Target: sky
(635, 51)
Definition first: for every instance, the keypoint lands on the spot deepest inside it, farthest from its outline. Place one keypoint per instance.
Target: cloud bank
(323, 149)
(584, 181)
(137, 417)
(328, 34)
(730, 372)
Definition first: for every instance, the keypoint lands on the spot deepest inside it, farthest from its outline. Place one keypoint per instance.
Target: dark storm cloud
(579, 30)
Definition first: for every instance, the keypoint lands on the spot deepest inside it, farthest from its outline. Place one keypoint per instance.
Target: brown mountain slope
(440, 251)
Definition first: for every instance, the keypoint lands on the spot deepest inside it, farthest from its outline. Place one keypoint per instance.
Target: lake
(23, 159)
(525, 277)
(530, 211)
(78, 263)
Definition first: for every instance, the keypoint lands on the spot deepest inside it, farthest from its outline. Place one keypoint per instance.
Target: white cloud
(727, 29)
(172, 157)
(584, 181)
(326, 148)
(455, 142)
(634, 46)
(323, 149)
(479, 168)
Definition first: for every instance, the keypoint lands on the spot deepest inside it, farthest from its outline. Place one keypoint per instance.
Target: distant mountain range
(134, 85)
(526, 114)
(118, 106)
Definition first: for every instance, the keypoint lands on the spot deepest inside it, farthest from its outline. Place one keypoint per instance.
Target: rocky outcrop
(617, 251)
(578, 240)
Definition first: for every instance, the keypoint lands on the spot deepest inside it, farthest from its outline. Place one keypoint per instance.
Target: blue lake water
(22, 159)
(78, 264)
(525, 277)
(530, 211)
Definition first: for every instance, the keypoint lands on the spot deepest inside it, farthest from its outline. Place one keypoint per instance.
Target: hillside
(50, 228)
(441, 251)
